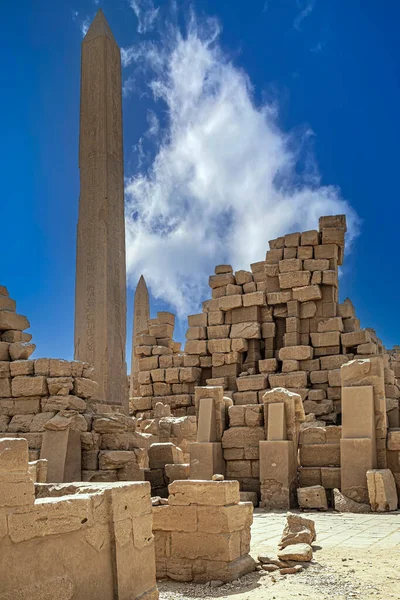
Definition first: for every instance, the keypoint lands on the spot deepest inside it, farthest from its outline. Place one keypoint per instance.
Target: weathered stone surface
(342, 503)
(29, 386)
(10, 320)
(312, 497)
(21, 350)
(209, 493)
(382, 490)
(85, 388)
(100, 293)
(298, 530)
(300, 552)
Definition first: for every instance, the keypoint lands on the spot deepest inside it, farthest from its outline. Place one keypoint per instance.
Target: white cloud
(146, 14)
(225, 178)
(85, 26)
(306, 7)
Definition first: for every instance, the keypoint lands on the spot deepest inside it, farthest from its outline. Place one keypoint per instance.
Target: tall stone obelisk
(141, 315)
(100, 294)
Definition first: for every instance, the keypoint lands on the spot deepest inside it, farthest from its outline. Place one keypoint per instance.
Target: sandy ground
(365, 566)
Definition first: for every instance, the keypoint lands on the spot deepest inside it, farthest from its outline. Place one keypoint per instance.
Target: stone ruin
(279, 400)
(273, 351)
(301, 410)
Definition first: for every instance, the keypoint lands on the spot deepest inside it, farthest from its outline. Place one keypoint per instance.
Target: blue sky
(221, 100)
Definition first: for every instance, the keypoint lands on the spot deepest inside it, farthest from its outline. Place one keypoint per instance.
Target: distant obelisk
(100, 293)
(141, 315)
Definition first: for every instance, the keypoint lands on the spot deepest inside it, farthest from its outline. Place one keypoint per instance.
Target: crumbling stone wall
(101, 537)
(203, 533)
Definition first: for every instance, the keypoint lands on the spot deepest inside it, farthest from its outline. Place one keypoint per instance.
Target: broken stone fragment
(298, 552)
(343, 504)
(297, 530)
(21, 350)
(382, 490)
(65, 419)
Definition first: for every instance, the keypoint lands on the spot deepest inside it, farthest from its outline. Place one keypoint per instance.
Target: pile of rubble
(295, 547)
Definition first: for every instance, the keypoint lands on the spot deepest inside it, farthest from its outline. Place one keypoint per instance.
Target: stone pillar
(363, 441)
(206, 456)
(283, 413)
(141, 316)
(100, 293)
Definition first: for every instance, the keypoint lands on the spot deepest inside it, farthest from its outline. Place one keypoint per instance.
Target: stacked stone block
(57, 547)
(165, 375)
(364, 429)
(162, 456)
(241, 445)
(278, 325)
(203, 533)
(14, 341)
(320, 457)
(393, 455)
(33, 392)
(206, 454)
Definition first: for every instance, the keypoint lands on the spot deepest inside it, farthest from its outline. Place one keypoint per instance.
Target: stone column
(363, 442)
(141, 316)
(283, 413)
(100, 294)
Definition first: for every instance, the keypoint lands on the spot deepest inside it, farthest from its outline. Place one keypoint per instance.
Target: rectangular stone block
(276, 430)
(206, 428)
(175, 518)
(320, 455)
(206, 493)
(330, 338)
(206, 460)
(307, 293)
(358, 414)
(294, 279)
(245, 330)
(278, 470)
(242, 437)
(357, 457)
(252, 383)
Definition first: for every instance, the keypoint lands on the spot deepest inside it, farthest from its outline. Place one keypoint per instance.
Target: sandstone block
(85, 388)
(199, 320)
(10, 320)
(164, 453)
(355, 338)
(242, 437)
(344, 504)
(296, 353)
(330, 338)
(28, 386)
(357, 457)
(269, 365)
(307, 293)
(279, 297)
(320, 455)
(296, 552)
(382, 490)
(245, 314)
(230, 302)
(196, 347)
(312, 497)
(245, 330)
(393, 440)
(243, 277)
(252, 382)
(289, 265)
(220, 280)
(206, 493)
